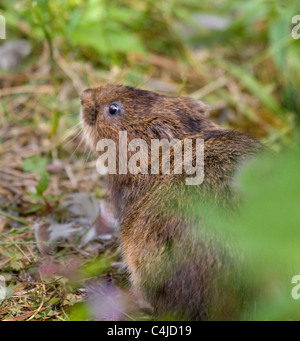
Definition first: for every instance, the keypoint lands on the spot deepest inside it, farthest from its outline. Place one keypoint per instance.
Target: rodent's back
(184, 269)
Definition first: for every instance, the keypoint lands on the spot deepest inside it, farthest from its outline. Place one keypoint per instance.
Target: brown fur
(174, 261)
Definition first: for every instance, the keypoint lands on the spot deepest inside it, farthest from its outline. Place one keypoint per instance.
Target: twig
(76, 81)
(209, 88)
(24, 243)
(66, 316)
(23, 253)
(41, 89)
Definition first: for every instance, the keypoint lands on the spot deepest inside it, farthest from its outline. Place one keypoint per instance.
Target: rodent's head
(143, 114)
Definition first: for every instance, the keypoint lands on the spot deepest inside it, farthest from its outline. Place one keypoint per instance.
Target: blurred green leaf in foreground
(267, 233)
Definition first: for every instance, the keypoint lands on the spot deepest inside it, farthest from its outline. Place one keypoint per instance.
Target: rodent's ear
(161, 131)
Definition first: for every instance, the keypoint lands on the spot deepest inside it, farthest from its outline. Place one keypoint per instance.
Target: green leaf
(80, 312)
(35, 196)
(51, 198)
(43, 183)
(36, 207)
(15, 264)
(10, 289)
(55, 300)
(35, 164)
(98, 266)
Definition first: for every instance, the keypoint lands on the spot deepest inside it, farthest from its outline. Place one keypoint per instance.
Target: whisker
(76, 126)
(75, 150)
(80, 143)
(73, 138)
(88, 157)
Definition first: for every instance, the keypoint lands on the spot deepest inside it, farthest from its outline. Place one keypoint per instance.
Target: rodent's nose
(86, 94)
(89, 111)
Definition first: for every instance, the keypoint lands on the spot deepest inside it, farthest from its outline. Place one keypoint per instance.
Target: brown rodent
(179, 267)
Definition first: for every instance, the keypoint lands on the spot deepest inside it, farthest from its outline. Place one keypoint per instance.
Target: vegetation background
(238, 56)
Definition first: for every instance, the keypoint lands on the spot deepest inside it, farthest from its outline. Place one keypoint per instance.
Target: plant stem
(22, 221)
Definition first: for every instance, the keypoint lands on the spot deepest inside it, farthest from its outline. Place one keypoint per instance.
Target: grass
(248, 72)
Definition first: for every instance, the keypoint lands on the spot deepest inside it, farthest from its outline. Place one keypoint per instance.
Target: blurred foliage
(38, 165)
(266, 231)
(110, 32)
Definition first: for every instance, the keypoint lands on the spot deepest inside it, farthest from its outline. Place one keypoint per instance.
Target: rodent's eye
(114, 109)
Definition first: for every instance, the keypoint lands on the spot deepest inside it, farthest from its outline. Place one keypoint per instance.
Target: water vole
(173, 261)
